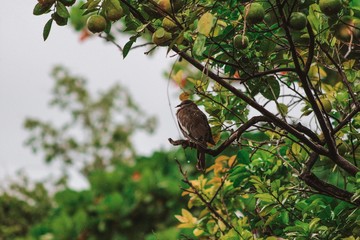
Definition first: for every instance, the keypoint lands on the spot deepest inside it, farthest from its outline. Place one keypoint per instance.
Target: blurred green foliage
(127, 202)
(129, 196)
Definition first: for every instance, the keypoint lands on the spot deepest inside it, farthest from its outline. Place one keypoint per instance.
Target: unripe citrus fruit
(298, 21)
(96, 23)
(114, 14)
(254, 13)
(241, 42)
(347, 27)
(330, 7)
(342, 148)
(270, 18)
(325, 103)
(161, 37)
(168, 24)
(166, 5)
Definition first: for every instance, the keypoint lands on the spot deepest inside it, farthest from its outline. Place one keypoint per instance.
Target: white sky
(25, 83)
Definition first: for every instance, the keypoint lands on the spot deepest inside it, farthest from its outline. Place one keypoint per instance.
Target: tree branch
(324, 125)
(325, 188)
(264, 73)
(225, 144)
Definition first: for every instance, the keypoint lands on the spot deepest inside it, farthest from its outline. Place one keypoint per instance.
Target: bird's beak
(178, 105)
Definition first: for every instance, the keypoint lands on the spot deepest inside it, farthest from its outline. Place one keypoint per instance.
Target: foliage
(98, 132)
(129, 196)
(21, 204)
(128, 202)
(284, 110)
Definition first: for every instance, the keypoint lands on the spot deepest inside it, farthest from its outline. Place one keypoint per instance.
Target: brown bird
(194, 125)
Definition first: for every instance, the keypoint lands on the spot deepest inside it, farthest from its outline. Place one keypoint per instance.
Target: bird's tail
(201, 166)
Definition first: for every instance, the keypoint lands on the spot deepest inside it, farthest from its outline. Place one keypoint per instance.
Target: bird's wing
(201, 129)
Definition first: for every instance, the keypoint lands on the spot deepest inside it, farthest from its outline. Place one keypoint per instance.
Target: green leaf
(59, 20)
(61, 10)
(271, 89)
(127, 48)
(282, 108)
(243, 157)
(93, 4)
(313, 224)
(108, 27)
(206, 24)
(47, 29)
(199, 45)
(266, 197)
(285, 217)
(271, 218)
(41, 9)
(255, 136)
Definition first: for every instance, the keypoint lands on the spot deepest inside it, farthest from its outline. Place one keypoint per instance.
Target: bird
(194, 125)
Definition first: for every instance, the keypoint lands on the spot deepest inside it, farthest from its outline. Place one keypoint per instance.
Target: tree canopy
(279, 80)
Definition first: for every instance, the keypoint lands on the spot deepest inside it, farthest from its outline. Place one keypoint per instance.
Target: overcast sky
(25, 83)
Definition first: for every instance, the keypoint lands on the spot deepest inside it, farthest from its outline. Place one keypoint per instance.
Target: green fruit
(270, 18)
(171, 6)
(326, 105)
(347, 28)
(114, 14)
(342, 148)
(254, 13)
(96, 23)
(298, 21)
(169, 24)
(161, 37)
(330, 7)
(241, 42)
(68, 2)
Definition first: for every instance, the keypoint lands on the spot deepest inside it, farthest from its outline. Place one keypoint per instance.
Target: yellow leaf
(184, 193)
(295, 148)
(187, 220)
(272, 238)
(181, 218)
(316, 73)
(216, 137)
(203, 212)
(192, 80)
(221, 158)
(221, 23)
(188, 215)
(215, 181)
(197, 232)
(178, 77)
(185, 225)
(199, 183)
(349, 64)
(246, 196)
(190, 203)
(210, 168)
(222, 225)
(232, 160)
(184, 96)
(206, 23)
